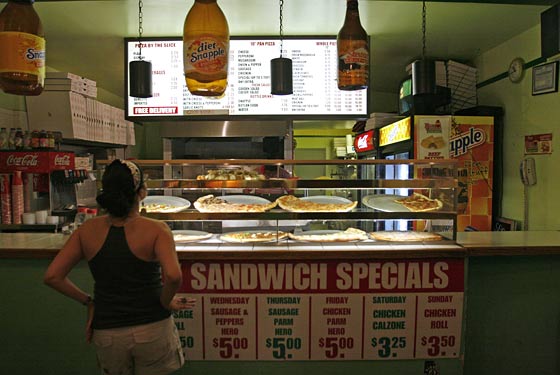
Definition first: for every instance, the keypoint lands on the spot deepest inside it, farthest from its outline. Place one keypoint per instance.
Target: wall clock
(516, 70)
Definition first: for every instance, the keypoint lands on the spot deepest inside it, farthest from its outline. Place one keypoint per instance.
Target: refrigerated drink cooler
(468, 139)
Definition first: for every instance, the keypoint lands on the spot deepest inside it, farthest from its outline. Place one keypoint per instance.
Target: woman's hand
(182, 303)
(89, 329)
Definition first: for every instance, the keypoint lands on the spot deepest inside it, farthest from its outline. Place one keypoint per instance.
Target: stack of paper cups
(6, 200)
(17, 197)
(27, 191)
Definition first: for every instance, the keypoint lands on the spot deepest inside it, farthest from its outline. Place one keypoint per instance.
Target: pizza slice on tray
(294, 204)
(253, 236)
(404, 236)
(210, 203)
(420, 203)
(349, 235)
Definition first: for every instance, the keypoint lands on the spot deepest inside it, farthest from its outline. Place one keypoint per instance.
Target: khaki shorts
(147, 349)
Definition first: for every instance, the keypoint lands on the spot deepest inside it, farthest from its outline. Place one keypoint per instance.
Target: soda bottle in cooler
(35, 139)
(43, 140)
(18, 140)
(11, 139)
(50, 139)
(26, 140)
(17, 197)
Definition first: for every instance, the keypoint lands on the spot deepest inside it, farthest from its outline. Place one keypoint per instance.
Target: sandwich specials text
(329, 276)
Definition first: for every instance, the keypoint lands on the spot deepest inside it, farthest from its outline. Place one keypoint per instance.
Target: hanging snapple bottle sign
(206, 49)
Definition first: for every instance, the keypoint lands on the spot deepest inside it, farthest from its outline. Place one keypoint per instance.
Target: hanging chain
(423, 29)
(140, 28)
(281, 27)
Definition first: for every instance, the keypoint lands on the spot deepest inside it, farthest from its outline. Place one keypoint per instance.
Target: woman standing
(129, 318)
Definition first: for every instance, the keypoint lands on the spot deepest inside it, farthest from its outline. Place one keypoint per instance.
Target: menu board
(322, 310)
(315, 90)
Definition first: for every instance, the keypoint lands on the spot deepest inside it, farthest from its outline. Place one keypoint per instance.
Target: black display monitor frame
(216, 117)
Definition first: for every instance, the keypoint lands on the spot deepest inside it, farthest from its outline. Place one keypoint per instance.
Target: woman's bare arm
(171, 270)
(56, 275)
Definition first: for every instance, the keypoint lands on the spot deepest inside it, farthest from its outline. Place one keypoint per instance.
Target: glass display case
(227, 202)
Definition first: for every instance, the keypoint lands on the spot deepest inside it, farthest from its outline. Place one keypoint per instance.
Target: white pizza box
(454, 66)
(378, 120)
(460, 77)
(458, 90)
(72, 76)
(62, 75)
(77, 117)
(453, 81)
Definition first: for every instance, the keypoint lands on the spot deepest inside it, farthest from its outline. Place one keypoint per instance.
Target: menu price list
(315, 89)
(322, 327)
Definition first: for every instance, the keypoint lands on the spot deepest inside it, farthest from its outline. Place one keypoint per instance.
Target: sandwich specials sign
(322, 310)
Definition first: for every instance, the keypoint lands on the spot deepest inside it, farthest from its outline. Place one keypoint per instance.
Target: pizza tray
(319, 233)
(244, 199)
(177, 203)
(196, 235)
(327, 199)
(225, 239)
(384, 202)
(324, 200)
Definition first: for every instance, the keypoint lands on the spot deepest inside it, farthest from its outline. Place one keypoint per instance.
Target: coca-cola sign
(28, 160)
(35, 161)
(62, 160)
(364, 142)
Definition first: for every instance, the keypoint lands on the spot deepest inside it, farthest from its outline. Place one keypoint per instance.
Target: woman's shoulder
(95, 222)
(152, 223)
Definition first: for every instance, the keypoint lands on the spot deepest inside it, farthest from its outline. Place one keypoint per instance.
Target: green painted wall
(12, 102)
(512, 320)
(524, 115)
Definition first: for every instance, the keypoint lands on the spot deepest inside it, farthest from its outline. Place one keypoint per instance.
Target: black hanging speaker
(550, 31)
(424, 77)
(140, 79)
(281, 76)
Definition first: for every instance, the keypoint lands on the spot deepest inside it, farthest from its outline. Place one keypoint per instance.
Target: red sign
(347, 309)
(36, 161)
(344, 277)
(364, 142)
(538, 144)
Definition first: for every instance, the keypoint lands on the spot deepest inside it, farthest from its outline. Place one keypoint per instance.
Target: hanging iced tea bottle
(353, 51)
(206, 49)
(22, 49)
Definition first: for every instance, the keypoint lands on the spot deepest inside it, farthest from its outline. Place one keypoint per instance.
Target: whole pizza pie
(350, 234)
(294, 204)
(420, 203)
(253, 236)
(405, 236)
(210, 203)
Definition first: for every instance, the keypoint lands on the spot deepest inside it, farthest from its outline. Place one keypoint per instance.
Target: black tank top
(127, 289)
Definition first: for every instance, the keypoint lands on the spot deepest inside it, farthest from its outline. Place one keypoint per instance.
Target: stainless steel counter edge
(46, 245)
